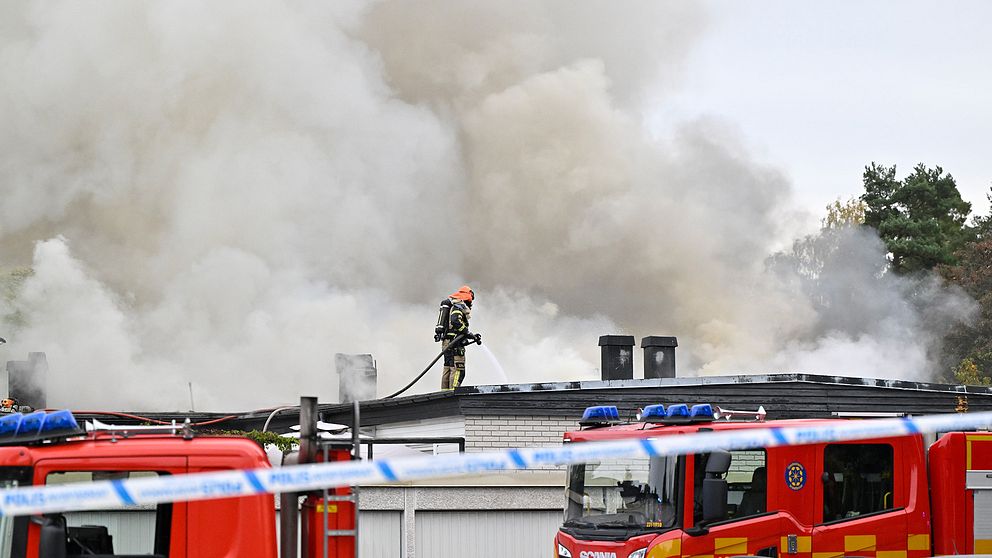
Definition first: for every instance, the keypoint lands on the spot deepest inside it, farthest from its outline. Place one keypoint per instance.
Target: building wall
(443, 521)
(380, 534)
(486, 433)
(457, 534)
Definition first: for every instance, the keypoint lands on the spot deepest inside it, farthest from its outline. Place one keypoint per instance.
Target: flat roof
(787, 395)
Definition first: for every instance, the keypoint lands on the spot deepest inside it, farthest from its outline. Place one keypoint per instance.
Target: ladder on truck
(334, 511)
(326, 515)
(330, 500)
(336, 524)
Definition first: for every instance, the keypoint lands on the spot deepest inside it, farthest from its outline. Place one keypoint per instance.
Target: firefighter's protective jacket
(458, 319)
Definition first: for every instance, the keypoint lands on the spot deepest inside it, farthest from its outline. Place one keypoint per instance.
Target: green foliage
(967, 374)
(811, 254)
(921, 218)
(983, 223)
(261, 438)
(847, 214)
(973, 273)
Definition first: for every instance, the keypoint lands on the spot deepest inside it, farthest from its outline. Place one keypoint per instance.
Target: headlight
(638, 553)
(564, 553)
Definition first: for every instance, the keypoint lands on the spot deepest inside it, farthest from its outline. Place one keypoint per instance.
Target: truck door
(862, 500)
(753, 523)
(156, 531)
(230, 527)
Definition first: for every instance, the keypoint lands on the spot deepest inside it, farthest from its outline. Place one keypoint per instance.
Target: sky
(820, 89)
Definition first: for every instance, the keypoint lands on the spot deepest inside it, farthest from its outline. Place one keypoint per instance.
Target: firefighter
(457, 325)
(8, 405)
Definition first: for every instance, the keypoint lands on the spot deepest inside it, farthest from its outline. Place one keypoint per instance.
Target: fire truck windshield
(633, 493)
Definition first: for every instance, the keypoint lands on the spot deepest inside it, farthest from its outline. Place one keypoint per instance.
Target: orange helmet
(8, 402)
(465, 293)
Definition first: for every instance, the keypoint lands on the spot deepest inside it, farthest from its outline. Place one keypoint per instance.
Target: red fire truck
(900, 497)
(48, 448)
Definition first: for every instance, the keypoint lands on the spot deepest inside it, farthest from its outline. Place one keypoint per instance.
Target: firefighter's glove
(477, 338)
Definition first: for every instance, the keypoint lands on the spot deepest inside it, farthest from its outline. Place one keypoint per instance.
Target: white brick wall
(488, 432)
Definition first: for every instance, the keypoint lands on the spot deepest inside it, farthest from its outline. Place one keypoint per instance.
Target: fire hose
(454, 343)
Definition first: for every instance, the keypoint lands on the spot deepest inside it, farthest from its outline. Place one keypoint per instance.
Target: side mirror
(52, 542)
(714, 500)
(718, 463)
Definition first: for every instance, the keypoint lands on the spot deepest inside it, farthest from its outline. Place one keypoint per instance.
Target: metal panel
(456, 534)
(447, 426)
(979, 479)
(428, 428)
(380, 534)
(983, 515)
(133, 530)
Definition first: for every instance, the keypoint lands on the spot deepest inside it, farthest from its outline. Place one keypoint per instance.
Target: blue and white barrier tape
(300, 478)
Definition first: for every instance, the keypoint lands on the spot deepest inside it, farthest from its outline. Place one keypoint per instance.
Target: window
(632, 493)
(746, 484)
(857, 480)
(143, 531)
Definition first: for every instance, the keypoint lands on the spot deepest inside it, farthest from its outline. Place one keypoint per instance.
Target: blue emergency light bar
(59, 421)
(9, 424)
(680, 411)
(653, 413)
(17, 428)
(601, 415)
(677, 414)
(702, 411)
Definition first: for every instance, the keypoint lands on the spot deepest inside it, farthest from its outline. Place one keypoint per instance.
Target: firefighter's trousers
(454, 365)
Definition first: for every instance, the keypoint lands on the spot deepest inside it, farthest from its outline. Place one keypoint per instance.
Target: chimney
(356, 377)
(659, 356)
(27, 381)
(618, 357)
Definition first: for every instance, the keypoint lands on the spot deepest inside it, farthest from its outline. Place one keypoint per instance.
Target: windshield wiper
(619, 523)
(615, 524)
(580, 522)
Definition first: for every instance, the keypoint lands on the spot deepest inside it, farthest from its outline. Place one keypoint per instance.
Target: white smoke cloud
(230, 193)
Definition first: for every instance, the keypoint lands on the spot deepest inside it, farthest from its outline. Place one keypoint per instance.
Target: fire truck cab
(50, 448)
(858, 498)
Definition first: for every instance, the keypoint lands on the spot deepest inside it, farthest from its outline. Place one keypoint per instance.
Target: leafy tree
(983, 223)
(921, 218)
(825, 264)
(967, 374)
(811, 253)
(973, 273)
(849, 213)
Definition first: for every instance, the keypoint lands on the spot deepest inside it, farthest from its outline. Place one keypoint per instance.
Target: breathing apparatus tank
(443, 314)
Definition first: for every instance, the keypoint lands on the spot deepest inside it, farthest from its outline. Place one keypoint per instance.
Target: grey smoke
(231, 193)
